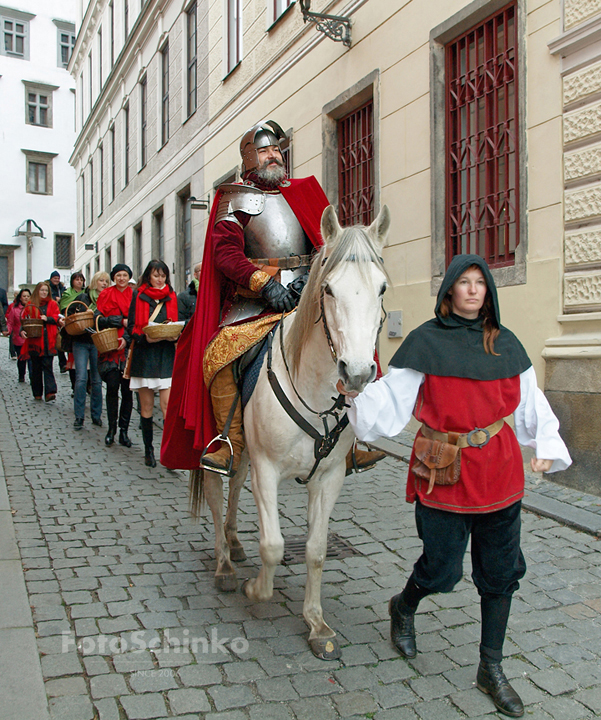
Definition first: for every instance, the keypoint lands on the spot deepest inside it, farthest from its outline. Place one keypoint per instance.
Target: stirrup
(355, 467)
(229, 472)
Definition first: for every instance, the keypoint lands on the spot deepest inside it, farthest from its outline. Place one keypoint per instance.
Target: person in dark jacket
(56, 291)
(84, 352)
(4, 300)
(186, 300)
(152, 360)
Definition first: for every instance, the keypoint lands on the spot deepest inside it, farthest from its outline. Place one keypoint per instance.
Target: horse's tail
(196, 487)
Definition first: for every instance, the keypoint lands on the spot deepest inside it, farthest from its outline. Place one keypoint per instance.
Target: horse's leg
(237, 553)
(225, 575)
(322, 497)
(271, 543)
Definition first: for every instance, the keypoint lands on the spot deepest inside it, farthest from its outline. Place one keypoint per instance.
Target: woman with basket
(79, 316)
(13, 322)
(153, 301)
(39, 328)
(77, 284)
(112, 308)
(460, 374)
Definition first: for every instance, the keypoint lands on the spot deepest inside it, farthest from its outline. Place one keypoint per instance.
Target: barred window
(356, 187)
(63, 251)
(482, 173)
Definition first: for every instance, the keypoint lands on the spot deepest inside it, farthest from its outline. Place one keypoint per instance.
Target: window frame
(165, 94)
(459, 23)
(143, 121)
(233, 28)
(18, 17)
(36, 157)
(126, 145)
(37, 89)
(101, 178)
(191, 59)
(91, 172)
(64, 28)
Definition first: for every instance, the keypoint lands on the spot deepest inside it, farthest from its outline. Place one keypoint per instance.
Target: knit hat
(55, 273)
(118, 268)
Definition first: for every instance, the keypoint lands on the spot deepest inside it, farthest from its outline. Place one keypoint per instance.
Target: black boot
(402, 628)
(492, 681)
(123, 438)
(147, 432)
(110, 435)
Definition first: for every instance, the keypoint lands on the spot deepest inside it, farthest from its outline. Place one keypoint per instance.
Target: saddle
(246, 369)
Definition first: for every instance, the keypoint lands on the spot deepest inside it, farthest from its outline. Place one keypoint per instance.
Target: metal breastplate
(273, 233)
(276, 233)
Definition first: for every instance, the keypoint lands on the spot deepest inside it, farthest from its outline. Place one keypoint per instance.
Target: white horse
(331, 336)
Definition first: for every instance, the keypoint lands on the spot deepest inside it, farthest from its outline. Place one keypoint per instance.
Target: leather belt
(286, 263)
(478, 437)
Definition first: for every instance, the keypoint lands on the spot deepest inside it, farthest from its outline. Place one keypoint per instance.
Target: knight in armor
(258, 251)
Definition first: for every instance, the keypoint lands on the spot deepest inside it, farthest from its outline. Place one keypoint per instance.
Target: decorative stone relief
(583, 204)
(582, 124)
(584, 290)
(576, 11)
(582, 83)
(583, 247)
(582, 163)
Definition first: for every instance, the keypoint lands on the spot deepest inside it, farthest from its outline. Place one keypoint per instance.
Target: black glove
(278, 296)
(297, 286)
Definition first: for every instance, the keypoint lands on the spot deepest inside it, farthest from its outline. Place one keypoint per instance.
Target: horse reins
(324, 444)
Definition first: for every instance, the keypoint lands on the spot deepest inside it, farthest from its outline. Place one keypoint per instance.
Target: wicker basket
(163, 331)
(105, 340)
(77, 323)
(33, 326)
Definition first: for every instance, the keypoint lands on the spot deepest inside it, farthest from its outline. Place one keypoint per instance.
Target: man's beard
(272, 173)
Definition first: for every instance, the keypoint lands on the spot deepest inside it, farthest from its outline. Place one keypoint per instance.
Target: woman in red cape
(41, 351)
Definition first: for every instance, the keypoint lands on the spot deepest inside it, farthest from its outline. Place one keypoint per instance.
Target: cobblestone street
(129, 626)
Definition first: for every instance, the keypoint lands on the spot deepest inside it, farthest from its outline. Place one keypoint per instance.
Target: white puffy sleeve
(385, 406)
(536, 425)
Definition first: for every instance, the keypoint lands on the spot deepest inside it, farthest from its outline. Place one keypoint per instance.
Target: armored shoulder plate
(243, 198)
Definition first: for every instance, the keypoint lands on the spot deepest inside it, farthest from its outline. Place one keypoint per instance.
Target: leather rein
(324, 444)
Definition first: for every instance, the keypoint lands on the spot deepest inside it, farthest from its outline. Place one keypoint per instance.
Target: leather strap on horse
(324, 444)
(286, 263)
(478, 437)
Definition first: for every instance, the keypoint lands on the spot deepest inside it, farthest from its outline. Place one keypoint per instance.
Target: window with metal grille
(192, 60)
(165, 94)
(356, 167)
(234, 32)
(482, 173)
(38, 109)
(143, 121)
(63, 251)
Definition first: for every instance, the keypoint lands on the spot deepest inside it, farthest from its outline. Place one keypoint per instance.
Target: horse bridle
(324, 444)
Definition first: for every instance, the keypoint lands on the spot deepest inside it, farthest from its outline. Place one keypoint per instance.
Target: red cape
(189, 424)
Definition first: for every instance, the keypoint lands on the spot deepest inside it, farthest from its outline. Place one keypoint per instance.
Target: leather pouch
(437, 462)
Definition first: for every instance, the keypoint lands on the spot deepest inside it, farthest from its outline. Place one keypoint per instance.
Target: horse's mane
(353, 245)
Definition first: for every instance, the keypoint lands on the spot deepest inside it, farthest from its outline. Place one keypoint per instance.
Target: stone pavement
(126, 624)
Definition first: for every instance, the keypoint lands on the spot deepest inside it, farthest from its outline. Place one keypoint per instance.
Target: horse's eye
(327, 290)
(383, 289)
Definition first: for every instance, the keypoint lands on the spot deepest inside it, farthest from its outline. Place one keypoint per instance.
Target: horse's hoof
(226, 583)
(244, 587)
(237, 553)
(325, 648)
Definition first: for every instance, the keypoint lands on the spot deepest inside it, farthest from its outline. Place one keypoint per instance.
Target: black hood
(458, 265)
(453, 346)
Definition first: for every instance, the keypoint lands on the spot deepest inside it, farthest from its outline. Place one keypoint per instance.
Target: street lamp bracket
(335, 27)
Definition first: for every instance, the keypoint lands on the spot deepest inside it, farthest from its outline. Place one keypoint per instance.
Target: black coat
(150, 360)
(186, 302)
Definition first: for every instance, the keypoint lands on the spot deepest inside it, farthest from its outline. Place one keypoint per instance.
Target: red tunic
(492, 477)
(45, 345)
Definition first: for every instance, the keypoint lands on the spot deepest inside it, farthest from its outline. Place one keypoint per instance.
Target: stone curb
(21, 684)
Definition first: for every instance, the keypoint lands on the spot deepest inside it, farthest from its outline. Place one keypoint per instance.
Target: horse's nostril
(342, 371)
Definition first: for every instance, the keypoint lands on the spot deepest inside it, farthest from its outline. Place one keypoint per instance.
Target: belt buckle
(478, 445)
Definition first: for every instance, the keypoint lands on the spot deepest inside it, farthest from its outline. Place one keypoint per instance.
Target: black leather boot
(402, 628)
(147, 433)
(492, 681)
(110, 435)
(123, 438)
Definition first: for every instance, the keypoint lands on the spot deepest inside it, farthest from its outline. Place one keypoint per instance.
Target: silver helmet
(263, 134)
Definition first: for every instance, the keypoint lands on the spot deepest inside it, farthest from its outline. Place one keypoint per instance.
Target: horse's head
(352, 286)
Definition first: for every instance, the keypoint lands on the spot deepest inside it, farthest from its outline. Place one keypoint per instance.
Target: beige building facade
(478, 124)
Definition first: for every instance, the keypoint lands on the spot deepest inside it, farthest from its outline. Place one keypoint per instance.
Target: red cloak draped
(189, 424)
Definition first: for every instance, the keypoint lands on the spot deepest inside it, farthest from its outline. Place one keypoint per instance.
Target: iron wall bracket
(335, 27)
